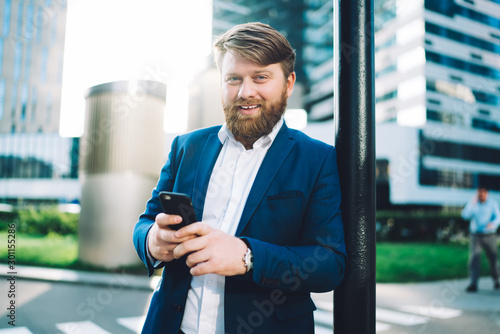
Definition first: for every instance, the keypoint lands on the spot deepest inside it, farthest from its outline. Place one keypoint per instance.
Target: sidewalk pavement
(80, 277)
(439, 295)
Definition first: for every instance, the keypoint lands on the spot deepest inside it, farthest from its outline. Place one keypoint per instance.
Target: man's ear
(290, 82)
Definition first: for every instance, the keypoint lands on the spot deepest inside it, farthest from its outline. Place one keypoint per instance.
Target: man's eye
(261, 77)
(232, 79)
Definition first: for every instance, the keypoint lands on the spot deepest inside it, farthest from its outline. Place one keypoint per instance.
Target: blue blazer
(291, 220)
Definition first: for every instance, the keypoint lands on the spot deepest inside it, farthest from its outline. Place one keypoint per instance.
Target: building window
(461, 37)
(2, 97)
(14, 103)
(20, 19)
(18, 57)
(390, 42)
(391, 95)
(483, 124)
(486, 98)
(24, 101)
(462, 92)
(476, 56)
(388, 69)
(457, 179)
(34, 101)
(40, 23)
(43, 64)
(462, 65)
(493, 181)
(48, 108)
(450, 8)
(466, 152)
(27, 62)
(1, 54)
(444, 117)
(454, 179)
(7, 8)
(29, 22)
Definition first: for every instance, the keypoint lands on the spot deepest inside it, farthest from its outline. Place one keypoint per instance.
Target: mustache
(242, 102)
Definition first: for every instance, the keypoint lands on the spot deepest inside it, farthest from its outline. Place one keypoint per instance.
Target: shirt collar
(264, 141)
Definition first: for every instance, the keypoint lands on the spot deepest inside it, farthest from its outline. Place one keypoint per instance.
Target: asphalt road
(76, 308)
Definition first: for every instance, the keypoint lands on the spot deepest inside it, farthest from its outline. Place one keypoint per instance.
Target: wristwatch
(248, 259)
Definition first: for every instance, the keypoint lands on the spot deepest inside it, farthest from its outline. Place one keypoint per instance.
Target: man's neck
(247, 142)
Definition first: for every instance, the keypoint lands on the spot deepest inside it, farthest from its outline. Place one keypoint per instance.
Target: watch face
(248, 259)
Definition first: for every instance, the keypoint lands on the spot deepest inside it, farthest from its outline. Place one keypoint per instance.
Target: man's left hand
(212, 251)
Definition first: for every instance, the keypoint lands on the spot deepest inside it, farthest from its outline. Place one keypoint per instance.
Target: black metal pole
(354, 300)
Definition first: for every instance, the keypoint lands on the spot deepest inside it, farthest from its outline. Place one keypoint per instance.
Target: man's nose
(247, 90)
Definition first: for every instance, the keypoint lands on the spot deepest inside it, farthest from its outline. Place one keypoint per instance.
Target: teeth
(249, 107)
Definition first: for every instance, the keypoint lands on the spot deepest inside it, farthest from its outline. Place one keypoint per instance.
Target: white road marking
(81, 327)
(432, 312)
(400, 318)
(134, 323)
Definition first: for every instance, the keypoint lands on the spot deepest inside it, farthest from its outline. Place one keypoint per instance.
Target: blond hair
(257, 42)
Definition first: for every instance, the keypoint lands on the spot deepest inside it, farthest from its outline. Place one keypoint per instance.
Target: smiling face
(253, 96)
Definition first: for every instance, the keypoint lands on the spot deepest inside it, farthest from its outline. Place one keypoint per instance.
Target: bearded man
(269, 202)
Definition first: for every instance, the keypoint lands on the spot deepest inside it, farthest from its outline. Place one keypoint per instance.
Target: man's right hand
(161, 237)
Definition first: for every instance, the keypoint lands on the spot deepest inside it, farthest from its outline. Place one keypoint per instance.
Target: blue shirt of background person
(483, 212)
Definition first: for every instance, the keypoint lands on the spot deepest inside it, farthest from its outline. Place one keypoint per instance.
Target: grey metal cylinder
(121, 153)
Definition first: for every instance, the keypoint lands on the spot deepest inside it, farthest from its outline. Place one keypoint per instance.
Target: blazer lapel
(279, 150)
(206, 164)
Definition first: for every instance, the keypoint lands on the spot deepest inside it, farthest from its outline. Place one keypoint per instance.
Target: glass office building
(308, 25)
(438, 101)
(36, 164)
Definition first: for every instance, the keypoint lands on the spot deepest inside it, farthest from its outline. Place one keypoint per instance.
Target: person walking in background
(484, 215)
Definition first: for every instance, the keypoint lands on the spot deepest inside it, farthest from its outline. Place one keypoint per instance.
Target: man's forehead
(235, 61)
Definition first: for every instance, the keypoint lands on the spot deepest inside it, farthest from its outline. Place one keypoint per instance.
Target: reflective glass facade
(31, 44)
(450, 8)
(31, 50)
(307, 24)
(455, 124)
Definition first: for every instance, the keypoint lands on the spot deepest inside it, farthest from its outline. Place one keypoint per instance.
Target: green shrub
(7, 218)
(420, 225)
(42, 221)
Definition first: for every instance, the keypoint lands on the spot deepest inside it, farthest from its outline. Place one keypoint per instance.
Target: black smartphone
(178, 204)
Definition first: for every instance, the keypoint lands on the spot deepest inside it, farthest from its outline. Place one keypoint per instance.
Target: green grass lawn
(417, 262)
(396, 262)
(54, 251)
(51, 250)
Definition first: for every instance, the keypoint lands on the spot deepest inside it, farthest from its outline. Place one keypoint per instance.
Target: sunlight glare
(115, 40)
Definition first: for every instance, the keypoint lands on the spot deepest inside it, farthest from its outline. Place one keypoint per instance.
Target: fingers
(215, 252)
(162, 240)
(190, 246)
(158, 248)
(198, 229)
(163, 220)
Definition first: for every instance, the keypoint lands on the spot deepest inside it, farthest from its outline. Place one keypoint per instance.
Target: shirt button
(178, 308)
(210, 283)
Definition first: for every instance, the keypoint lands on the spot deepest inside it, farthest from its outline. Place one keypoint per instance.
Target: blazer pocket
(294, 309)
(291, 194)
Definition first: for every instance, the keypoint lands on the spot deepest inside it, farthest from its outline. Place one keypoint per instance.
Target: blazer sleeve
(317, 263)
(153, 208)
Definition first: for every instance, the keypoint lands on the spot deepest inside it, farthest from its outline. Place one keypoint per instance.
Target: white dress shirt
(230, 183)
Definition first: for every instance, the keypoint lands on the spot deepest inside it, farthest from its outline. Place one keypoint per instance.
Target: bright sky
(111, 40)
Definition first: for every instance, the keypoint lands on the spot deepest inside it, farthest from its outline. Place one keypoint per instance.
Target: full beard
(252, 127)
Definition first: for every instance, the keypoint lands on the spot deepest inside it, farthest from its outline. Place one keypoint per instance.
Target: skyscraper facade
(437, 100)
(33, 157)
(308, 25)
